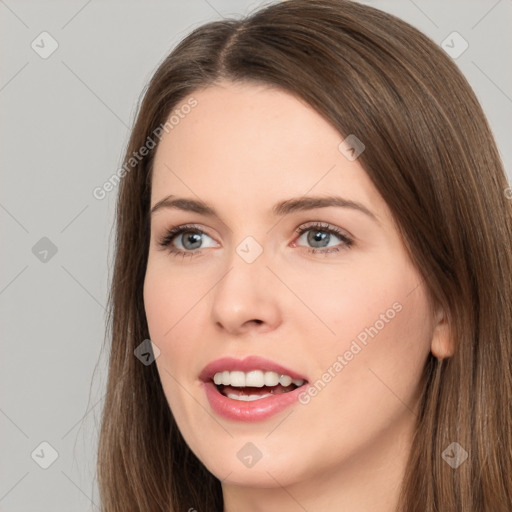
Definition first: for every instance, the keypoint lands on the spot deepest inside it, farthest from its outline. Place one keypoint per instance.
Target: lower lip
(256, 410)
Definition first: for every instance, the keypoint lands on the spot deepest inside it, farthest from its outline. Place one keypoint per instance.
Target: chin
(231, 464)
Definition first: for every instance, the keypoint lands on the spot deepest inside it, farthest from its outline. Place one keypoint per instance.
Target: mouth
(251, 389)
(254, 385)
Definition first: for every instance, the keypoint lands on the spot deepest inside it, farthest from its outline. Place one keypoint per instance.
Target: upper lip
(245, 365)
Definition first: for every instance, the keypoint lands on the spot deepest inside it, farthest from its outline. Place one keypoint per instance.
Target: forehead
(247, 117)
(241, 140)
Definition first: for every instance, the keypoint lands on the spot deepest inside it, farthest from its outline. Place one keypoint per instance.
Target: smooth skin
(241, 150)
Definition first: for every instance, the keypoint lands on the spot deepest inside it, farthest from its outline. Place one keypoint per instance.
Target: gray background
(64, 124)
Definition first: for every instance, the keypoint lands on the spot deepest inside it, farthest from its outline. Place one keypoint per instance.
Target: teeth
(285, 380)
(237, 379)
(254, 378)
(271, 379)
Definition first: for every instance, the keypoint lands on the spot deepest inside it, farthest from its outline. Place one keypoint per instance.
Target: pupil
(318, 238)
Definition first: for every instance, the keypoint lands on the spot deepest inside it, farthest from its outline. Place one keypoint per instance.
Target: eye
(186, 240)
(320, 237)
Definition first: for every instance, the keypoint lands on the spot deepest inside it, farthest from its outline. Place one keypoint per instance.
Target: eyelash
(165, 241)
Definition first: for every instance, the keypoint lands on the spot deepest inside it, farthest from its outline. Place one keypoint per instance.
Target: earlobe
(442, 345)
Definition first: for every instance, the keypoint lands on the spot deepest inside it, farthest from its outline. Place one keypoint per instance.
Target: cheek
(170, 298)
(368, 375)
(346, 300)
(159, 305)
(170, 317)
(372, 328)
(172, 305)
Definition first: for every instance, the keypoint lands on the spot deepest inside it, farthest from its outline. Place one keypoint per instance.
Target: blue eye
(185, 240)
(321, 236)
(188, 240)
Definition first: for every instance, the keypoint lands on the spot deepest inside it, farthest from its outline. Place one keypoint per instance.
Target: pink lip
(257, 410)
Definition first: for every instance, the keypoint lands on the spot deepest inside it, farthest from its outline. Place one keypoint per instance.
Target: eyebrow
(279, 209)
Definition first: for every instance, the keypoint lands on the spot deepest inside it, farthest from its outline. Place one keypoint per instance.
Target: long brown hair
(431, 155)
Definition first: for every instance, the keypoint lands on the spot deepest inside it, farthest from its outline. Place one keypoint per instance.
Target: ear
(442, 345)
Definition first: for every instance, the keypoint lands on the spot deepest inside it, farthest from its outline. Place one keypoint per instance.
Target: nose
(246, 298)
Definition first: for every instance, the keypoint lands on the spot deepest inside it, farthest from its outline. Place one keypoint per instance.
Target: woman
(315, 236)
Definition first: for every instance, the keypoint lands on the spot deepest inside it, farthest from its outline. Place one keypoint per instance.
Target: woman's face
(292, 257)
